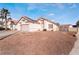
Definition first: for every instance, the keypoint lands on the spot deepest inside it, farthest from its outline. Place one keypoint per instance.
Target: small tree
(4, 14)
(77, 23)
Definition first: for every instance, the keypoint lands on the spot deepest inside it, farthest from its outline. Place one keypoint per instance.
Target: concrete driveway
(6, 33)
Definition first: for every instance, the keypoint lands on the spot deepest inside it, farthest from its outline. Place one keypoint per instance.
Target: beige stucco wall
(55, 27)
(72, 29)
(18, 27)
(46, 25)
(34, 27)
(8, 25)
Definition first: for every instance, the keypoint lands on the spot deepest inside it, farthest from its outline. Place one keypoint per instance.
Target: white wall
(55, 27)
(34, 27)
(46, 25)
(18, 27)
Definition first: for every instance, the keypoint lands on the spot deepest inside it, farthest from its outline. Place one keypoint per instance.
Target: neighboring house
(68, 28)
(73, 28)
(27, 24)
(11, 24)
(64, 27)
(1, 24)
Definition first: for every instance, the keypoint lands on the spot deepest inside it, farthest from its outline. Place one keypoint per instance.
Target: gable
(25, 20)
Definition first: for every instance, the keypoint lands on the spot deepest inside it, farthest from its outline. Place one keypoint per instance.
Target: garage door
(24, 27)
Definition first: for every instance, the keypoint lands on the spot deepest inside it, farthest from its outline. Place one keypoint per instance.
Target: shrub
(44, 30)
(1, 28)
(51, 30)
(8, 28)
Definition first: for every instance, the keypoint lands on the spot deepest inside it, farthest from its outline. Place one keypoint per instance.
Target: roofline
(47, 20)
(66, 24)
(23, 17)
(37, 19)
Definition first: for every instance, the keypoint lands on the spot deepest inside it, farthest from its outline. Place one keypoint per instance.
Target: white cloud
(51, 14)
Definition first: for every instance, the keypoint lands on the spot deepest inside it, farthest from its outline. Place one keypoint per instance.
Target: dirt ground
(37, 43)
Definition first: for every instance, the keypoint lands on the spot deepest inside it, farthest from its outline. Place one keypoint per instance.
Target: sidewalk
(75, 50)
(6, 33)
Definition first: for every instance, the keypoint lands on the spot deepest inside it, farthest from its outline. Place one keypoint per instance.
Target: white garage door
(24, 27)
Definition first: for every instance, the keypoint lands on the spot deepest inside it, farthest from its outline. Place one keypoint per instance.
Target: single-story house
(73, 28)
(64, 27)
(68, 28)
(11, 24)
(27, 24)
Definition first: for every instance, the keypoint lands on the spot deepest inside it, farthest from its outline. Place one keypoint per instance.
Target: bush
(1, 28)
(51, 30)
(77, 23)
(44, 30)
(8, 28)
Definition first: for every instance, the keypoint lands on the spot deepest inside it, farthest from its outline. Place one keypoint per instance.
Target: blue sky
(61, 13)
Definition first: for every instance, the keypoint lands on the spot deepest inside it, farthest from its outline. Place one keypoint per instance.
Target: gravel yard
(36, 43)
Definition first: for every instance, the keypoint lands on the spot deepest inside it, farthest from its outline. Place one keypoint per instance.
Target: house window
(23, 20)
(50, 25)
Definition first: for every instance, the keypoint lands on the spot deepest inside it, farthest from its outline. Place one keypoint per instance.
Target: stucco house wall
(34, 27)
(55, 27)
(46, 25)
(18, 27)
